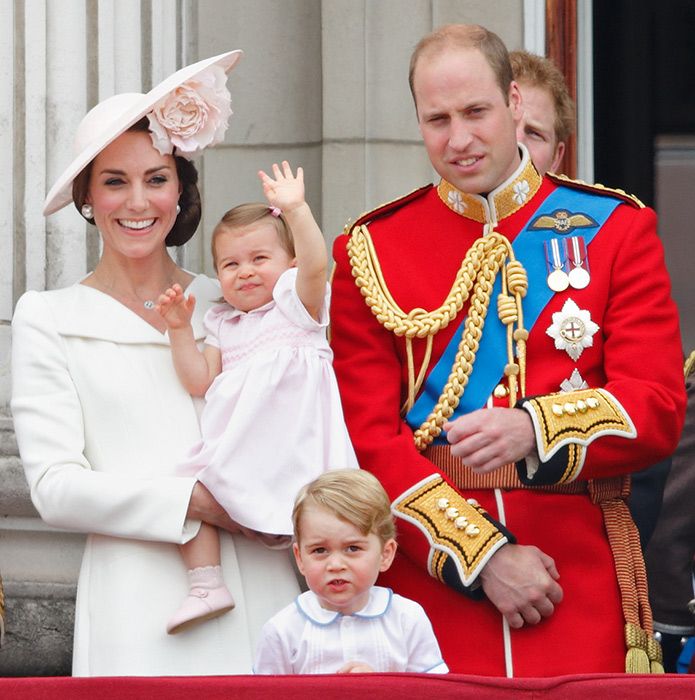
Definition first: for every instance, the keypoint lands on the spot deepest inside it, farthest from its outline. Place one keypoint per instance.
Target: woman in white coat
(100, 416)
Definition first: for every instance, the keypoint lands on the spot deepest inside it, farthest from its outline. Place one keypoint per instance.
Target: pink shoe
(208, 597)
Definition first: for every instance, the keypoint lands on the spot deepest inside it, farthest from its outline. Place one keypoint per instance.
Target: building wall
(322, 83)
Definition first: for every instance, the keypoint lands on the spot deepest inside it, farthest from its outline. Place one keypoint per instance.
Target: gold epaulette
(597, 189)
(386, 208)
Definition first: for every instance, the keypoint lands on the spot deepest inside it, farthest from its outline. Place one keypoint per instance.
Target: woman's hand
(203, 506)
(273, 541)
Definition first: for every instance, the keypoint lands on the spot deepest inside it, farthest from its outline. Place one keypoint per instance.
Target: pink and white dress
(272, 420)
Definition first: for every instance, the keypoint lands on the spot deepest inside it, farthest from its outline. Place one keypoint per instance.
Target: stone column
(57, 59)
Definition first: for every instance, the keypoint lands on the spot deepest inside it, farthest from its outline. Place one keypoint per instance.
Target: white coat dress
(101, 421)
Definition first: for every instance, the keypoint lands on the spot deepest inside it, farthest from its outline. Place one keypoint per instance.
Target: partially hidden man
(507, 352)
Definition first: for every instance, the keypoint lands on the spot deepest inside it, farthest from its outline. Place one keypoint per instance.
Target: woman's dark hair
(189, 217)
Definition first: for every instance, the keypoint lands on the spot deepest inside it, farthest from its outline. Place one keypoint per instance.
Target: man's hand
(521, 582)
(489, 438)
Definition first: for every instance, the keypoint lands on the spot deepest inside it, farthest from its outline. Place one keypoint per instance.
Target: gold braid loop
(517, 280)
(506, 309)
(417, 323)
(517, 283)
(474, 279)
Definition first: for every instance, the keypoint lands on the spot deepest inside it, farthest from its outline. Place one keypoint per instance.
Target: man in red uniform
(507, 348)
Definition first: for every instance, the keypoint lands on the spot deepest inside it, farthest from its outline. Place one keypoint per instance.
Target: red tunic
(636, 356)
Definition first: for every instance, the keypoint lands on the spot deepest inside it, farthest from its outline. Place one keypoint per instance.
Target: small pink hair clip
(275, 211)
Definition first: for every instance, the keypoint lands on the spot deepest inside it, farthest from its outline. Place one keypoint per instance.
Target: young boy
(344, 537)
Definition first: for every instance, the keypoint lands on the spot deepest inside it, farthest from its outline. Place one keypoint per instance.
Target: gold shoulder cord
(475, 278)
(689, 365)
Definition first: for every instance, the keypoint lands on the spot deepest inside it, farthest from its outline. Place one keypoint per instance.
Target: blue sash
(491, 357)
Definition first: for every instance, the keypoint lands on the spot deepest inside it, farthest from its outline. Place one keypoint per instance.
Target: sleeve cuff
(191, 526)
(461, 535)
(565, 424)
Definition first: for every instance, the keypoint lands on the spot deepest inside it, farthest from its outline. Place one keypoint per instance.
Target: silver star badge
(572, 329)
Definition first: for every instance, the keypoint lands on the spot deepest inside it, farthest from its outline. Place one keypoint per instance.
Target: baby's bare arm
(195, 369)
(286, 192)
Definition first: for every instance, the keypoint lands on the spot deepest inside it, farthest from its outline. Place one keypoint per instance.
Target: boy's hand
(355, 667)
(286, 191)
(175, 308)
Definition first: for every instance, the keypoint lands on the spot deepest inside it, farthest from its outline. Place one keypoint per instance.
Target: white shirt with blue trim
(390, 633)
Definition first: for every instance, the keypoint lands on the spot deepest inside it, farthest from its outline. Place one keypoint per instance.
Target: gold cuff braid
(453, 526)
(576, 417)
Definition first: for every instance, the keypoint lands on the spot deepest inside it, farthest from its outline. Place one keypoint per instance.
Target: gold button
(558, 410)
(461, 522)
(570, 408)
(472, 530)
(442, 503)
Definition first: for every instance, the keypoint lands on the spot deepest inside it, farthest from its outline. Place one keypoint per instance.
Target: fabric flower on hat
(193, 116)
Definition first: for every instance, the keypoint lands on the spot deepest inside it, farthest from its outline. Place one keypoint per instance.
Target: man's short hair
(541, 72)
(466, 36)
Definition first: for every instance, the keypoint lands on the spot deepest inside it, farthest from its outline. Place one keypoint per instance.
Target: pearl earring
(87, 211)
(178, 210)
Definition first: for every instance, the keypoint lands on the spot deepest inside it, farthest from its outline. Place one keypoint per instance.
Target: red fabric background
(384, 686)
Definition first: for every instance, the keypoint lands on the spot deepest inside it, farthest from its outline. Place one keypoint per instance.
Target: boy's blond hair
(353, 495)
(250, 213)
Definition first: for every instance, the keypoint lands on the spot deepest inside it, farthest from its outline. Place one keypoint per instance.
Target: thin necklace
(148, 304)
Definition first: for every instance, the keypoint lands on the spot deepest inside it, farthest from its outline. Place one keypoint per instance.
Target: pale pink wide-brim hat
(114, 116)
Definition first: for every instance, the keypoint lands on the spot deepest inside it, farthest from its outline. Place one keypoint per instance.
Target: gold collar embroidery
(503, 201)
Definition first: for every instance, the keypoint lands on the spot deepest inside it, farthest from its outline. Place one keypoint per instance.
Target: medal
(579, 276)
(556, 262)
(558, 280)
(572, 329)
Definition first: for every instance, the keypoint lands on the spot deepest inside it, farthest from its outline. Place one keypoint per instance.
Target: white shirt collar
(377, 605)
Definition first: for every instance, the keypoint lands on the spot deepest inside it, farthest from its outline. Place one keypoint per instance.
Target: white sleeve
(424, 655)
(50, 433)
(272, 657)
(288, 301)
